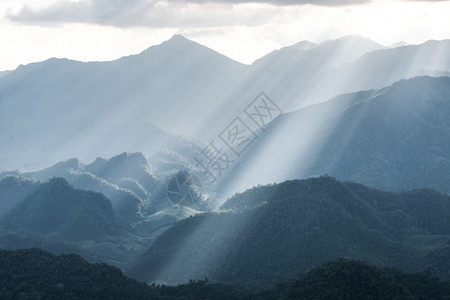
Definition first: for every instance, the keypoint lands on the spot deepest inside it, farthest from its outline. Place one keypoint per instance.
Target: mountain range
(267, 234)
(352, 164)
(35, 274)
(395, 138)
(53, 215)
(183, 87)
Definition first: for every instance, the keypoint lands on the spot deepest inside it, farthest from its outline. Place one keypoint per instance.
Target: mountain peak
(179, 40)
(353, 39)
(398, 44)
(178, 37)
(300, 46)
(136, 157)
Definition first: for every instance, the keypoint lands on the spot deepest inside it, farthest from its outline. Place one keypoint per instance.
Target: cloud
(160, 13)
(172, 13)
(286, 2)
(107, 12)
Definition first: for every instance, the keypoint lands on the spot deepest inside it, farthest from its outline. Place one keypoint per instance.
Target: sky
(98, 30)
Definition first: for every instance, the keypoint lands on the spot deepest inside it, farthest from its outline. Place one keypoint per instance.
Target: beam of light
(287, 150)
(205, 260)
(292, 145)
(191, 259)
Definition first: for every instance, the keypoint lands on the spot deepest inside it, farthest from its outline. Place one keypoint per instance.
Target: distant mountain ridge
(128, 205)
(135, 187)
(396, 138)
(352, 109)
(87, 108)
(128, 209)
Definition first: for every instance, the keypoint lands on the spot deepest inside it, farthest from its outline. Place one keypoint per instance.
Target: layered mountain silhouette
(368, 115)
(269, 233)
(291, 75)
(374, 68)
(136, 188)
(396, 138)
(127, 204)
(35, 274)
(60, 108)
(101, 109)
(57, 209)
(117, 222)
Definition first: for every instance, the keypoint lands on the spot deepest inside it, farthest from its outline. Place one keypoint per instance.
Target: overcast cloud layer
(129, 13)
(153, 13)
(162, 13)
(286, 2)
(244, 30)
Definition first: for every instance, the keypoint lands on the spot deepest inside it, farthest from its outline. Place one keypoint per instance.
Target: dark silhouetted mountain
(269, 233)
(57, 209)
(12, 240)
(346, 279)
(35, 274)
(129, 207)
(62, 219)
(142, 218)
(136, 188)
(104, 176)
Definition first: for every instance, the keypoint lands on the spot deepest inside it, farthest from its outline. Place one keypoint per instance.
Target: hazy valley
(347, 161)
